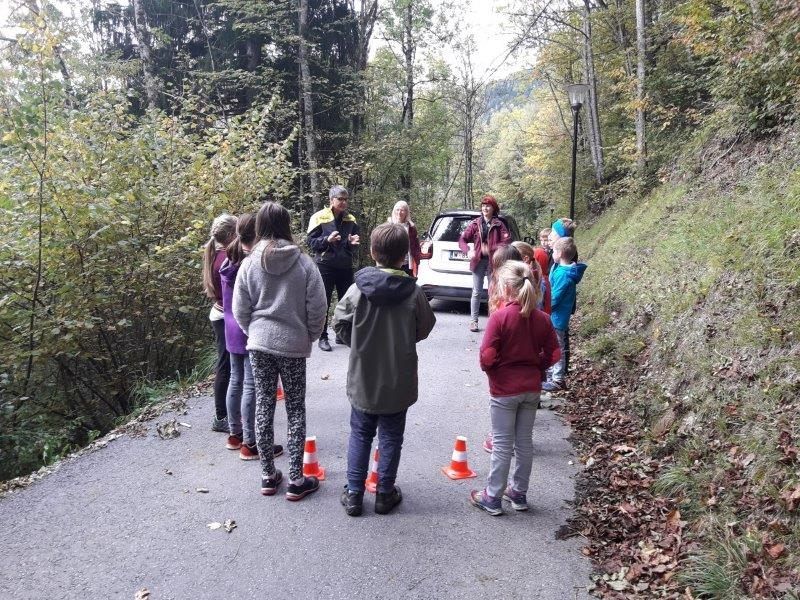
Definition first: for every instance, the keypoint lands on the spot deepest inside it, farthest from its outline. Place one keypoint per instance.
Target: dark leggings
(222, 370)
(341, 279)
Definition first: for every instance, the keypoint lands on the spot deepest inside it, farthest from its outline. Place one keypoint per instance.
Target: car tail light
(426, 250)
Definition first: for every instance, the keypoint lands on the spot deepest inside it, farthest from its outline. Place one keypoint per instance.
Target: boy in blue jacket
(564, 279)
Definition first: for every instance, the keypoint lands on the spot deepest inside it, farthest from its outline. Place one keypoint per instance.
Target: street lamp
(577, 97)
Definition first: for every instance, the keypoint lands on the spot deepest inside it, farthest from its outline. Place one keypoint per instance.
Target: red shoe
(488, 443)
(234, 442)
(248, 452)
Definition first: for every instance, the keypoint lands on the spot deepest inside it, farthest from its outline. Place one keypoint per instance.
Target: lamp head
(578, 93)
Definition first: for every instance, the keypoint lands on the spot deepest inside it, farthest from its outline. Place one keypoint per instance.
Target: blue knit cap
(559, 228)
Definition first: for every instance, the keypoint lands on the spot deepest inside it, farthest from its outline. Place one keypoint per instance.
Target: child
(544, 238)
(501, 255)
(279, 302)
(529, 257)
(562, 227)
(564, 280)
(241, 401)
(519, 344)
(223, 231)
(381, 317)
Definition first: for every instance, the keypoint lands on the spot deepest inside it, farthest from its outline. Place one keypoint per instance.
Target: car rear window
(449, 229)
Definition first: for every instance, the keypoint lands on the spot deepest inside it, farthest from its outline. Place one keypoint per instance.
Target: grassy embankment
(694, 292)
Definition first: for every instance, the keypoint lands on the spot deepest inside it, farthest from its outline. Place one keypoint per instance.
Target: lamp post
(577, 97)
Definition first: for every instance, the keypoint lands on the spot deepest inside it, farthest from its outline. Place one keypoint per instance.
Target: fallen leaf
(325, 376)
(142, 594)
(776, 550)
(167, 472)
(168, 430)
(185, 425)
(619, 586)
(214, 526)
(229, 525)
(202, 490)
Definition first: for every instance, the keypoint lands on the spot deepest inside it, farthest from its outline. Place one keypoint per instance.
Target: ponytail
(516, 281)
(245, 235)
(209, 254)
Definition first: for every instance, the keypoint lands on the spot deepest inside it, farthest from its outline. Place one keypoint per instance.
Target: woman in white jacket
(279, 302)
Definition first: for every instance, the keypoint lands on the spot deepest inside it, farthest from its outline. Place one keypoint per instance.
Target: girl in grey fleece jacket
(279, 302)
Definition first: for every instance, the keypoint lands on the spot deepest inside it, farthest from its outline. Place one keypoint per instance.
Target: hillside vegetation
(692, 295)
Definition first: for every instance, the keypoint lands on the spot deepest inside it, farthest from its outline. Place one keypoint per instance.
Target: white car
(444, 271)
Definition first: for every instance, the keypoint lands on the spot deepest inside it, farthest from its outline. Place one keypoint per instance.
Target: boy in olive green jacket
(381, 317)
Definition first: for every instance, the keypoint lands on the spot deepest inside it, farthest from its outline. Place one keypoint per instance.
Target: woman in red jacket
(486, 233)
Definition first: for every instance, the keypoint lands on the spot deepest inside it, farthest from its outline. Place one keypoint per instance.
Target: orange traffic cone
(372, 480)
(280, 395)
(459, 469)
(310, 465)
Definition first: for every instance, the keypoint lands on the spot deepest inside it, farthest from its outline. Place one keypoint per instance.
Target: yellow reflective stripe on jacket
(325, 216)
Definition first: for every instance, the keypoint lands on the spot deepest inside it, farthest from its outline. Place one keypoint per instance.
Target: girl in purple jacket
(241, 400)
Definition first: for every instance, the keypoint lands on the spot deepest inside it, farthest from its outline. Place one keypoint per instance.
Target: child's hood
(227, 272)
(280, 258)
(384, 288)
(575, 271)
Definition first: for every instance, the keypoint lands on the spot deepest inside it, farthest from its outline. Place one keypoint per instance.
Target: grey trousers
(482, 269)
(512, 436)
(241, 399)
(560, 368)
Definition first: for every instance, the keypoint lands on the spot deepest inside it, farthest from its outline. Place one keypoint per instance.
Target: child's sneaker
(480, 499)
(473, 326)
(277, 450)
(297, 492)
(269, 485)
(386, 501)
(248, 452)
(234, 442)
(353, 502)
(488, 443)
(554, 386)
(518, 500)
(220, 425)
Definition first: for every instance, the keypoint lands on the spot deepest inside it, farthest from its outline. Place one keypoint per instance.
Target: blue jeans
(241, 399)
(482, 269)
(559, 369)
(390, 430)
(512, 436)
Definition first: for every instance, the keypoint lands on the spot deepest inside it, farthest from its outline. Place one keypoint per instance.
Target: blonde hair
(223, 231)
(567, 247)
(517, 282)
(397, 206)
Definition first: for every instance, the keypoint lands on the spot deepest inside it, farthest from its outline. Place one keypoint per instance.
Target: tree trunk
(622, 37)
(142, 33)
(408, 109)
(307, 106)
(595, 137)
(253, 50)
(641, 48)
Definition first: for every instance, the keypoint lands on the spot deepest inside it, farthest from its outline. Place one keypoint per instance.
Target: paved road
(112, 521)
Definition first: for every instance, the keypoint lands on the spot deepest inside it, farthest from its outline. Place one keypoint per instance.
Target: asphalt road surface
(112, 522)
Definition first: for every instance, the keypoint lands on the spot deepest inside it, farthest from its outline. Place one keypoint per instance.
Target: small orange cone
(459, 469)
(372, 480)
(280, 395)
(311, 467)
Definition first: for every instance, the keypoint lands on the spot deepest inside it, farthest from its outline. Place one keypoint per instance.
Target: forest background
(126, 127)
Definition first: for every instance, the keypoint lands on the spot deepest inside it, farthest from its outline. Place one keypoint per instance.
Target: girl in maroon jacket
(486, 233)
(518, 346)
